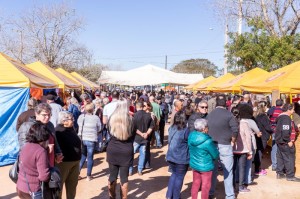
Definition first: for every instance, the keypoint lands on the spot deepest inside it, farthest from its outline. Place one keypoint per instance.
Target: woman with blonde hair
(120, 148)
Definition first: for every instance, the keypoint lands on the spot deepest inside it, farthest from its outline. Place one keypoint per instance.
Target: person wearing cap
(97, 97)
(157, 112)
(24, 117)
(86, 99)
(164, 117)
(55, 109)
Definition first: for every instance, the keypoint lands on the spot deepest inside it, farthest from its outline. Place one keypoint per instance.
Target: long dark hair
(180, 120)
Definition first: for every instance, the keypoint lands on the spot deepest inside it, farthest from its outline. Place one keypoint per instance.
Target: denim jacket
(178, 151)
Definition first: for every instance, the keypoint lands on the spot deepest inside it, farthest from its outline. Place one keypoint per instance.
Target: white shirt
(110, 108)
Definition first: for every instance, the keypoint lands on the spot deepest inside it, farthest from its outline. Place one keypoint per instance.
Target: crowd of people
(207, 133)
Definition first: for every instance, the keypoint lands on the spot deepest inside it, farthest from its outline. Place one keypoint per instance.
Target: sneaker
(140, 173)
(261, 173)
(294, 179)
(243, 189)
(89, 178)
(264, 171)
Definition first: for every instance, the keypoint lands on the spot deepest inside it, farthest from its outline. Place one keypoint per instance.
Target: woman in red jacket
(34, 162)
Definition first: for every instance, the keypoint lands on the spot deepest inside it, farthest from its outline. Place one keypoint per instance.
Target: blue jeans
(176, 180)
(248, 170)
(87, 153)
(157, 137)
(226, 159)
(37, 195)
(99, 141)
(142, 150)
(273, 153)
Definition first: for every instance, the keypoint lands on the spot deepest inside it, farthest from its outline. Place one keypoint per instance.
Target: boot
(124, 190)
(112, 189)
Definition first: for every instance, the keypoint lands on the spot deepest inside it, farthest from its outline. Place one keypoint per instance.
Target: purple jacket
(34, 163)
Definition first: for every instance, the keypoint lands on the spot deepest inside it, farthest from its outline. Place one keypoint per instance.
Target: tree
(259, 49)
(46, 33)
(91, 72)
(278, 17)
(203, 66)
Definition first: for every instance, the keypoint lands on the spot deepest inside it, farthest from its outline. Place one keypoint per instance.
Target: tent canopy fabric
(13, 102)
(195, 86)
(62, 80)
(81, 78)
(218, 82)
(15, 74)
(66, 73)
(203, 83)
(234, 85)
(148, 75)
(285, 80)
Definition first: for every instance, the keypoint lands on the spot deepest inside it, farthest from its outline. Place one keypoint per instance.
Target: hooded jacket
(203, 151)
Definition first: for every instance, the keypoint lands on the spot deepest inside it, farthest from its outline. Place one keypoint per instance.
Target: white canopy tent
(148, 75)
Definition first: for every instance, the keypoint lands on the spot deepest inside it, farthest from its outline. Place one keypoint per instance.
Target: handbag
(14, 171)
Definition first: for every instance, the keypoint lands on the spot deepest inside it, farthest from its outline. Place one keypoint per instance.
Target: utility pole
(240, 19)
(225, 51)
(166, 62)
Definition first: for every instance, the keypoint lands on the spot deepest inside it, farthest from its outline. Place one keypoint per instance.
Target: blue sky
(132, 33)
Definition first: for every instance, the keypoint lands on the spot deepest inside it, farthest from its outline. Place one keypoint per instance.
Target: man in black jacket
(143, 125)
(285, 138)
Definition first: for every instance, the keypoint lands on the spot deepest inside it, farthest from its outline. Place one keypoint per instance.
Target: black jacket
(283, 129)
(69, 143)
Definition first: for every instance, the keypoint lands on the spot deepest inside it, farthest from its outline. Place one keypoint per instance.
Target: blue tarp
(13, 101)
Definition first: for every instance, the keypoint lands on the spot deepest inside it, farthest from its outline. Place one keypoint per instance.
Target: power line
(157, 56)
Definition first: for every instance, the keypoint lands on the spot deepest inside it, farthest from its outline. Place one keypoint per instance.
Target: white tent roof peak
(148, 75)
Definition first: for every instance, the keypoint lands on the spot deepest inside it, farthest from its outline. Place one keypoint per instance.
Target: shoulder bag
(14, 171)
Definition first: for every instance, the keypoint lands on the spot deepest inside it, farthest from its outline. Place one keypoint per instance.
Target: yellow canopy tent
(203, 81)
(63, 81)
(285, 80)
(219, 81)
(191, 86)
(92, 84)
(66, 73)
(234, 85)
(16, 83)
(15, 74)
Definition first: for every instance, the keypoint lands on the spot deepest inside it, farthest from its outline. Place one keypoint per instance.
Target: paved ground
(153, 183)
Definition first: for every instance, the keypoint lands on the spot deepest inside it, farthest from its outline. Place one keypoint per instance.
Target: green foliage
(194, 66)
(258, 49)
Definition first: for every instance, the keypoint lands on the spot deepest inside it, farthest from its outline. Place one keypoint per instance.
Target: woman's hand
(59, 157)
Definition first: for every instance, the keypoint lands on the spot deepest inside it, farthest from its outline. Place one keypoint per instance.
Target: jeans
(203, 180)
(99, 142)
(226, 159)
(176, 180)
(240, 164)
(147, 156)
(37, 195)
(273, 152)
(157, 137)
(87, 153)
(248, 170)
(142, 150)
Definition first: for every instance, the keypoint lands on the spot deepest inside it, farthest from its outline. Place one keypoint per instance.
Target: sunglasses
(203, 107)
